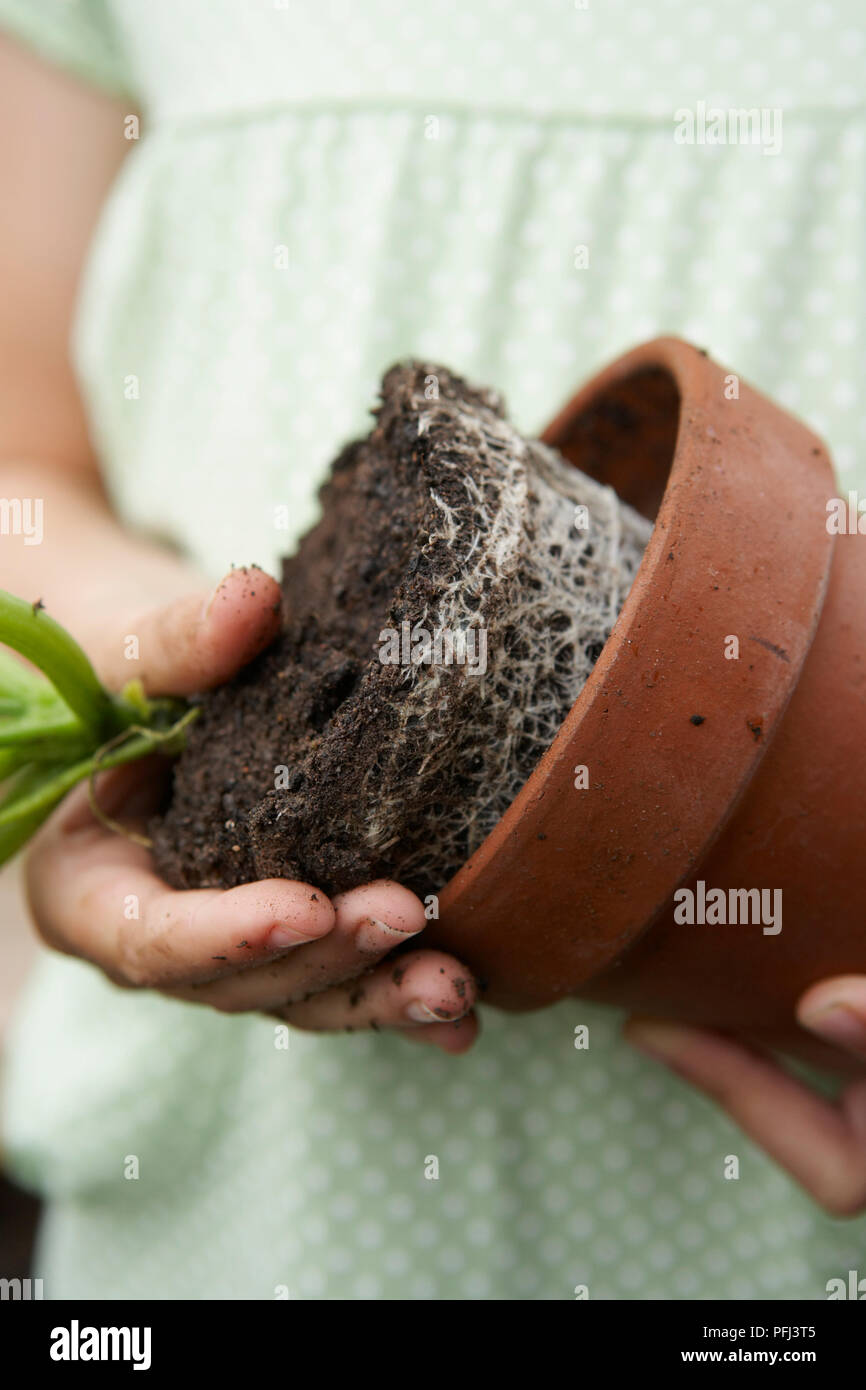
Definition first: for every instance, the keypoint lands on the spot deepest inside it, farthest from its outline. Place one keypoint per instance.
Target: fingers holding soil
(419, 989)
(195, 937)
(358, 941)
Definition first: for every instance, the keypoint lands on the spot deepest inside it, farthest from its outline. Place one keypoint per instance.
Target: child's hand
(823, 1145)
(276, 946)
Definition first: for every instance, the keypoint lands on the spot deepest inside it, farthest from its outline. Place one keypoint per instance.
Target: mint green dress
(318, 190)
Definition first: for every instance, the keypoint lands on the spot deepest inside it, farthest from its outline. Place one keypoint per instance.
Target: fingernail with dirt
(373, 935)
(840, 1025)
(418, 1012)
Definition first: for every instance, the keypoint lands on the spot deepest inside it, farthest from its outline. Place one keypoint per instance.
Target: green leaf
(26, 804)
(11, 759)
(18, 681)
(59, 731)
(37, 723)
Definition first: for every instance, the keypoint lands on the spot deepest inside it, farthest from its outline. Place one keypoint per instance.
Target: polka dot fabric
(318, 191)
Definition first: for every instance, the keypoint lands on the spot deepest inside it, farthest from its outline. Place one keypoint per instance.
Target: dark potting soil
(325, 763)
(267, 785)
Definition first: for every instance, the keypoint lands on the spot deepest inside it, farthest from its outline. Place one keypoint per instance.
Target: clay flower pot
(703, 770)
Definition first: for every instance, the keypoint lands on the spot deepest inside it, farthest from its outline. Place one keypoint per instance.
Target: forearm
(78, 559)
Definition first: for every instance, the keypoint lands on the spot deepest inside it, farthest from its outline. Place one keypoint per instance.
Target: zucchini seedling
(62, 726)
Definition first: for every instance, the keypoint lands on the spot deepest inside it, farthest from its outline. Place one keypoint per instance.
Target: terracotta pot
(741, 773)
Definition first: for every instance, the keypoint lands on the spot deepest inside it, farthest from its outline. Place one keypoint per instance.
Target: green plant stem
(37, 790)
(59, 726)
(34, 796)
(24, 810)
(33, 634)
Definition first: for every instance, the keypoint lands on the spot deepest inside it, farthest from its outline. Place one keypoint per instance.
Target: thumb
(836, 1010)
(197, 641)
